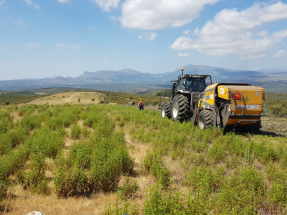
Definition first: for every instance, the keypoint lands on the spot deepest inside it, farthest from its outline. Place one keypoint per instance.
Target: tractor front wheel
(205, 119)
(163, 114)
(180, 108)
(165, 110)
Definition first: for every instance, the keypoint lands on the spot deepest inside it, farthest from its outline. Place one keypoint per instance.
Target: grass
(138, 161)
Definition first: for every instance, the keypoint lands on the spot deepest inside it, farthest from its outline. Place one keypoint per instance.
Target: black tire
(165, 110)
(205, 119)
(180, 108)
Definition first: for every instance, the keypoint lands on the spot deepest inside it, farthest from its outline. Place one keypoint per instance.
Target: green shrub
(75, 131)
(31, 122)
(34, 178)
(173, 202)
(204, 179)
(5, 144)
(45, 141)
(54, 123)
(265, 153)
(18, 135)
(278, 192)
(80, 154)
(153, 164)
(26, 110)
(70, 180)
(217, 152)
(85, 131)
(241, 192)
(121, 208)
(129, 188)
(92, 166)
(108, 165)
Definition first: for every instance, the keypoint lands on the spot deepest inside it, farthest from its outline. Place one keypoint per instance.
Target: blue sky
(67, 37)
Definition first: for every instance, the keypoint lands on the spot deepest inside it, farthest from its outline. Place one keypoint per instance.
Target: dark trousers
(141, 107)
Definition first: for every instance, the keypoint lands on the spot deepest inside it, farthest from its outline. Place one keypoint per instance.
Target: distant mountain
(132, 80)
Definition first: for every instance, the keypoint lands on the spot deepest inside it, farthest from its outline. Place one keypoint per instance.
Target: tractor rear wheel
(205, 119)
(180, 108)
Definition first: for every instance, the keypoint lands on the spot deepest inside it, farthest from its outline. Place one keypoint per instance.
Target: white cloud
(187, 32)
(231, 32)
(183, 55)
(147, 36)
(281, 53)
(63, 1)
(252, 57)
(32, 44)
(263, 33)
(91, 28)
(105, 61)
(75, 47)
(30, 2)
(159, 14)
(106, 5)
(60, 45)
(21, 23)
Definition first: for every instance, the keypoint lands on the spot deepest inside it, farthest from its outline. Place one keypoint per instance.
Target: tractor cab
(189, 83)
(195, 84)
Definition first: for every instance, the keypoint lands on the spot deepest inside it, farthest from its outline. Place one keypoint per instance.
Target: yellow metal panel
(223, 92)
(211, 86)
(209, 97)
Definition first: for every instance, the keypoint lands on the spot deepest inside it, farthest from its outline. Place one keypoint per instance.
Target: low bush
(75, 131)
(71, 180)
(26, 110)
(129, 188)
(93, 165)
(34, 178)
(31, 122)
(153, 164)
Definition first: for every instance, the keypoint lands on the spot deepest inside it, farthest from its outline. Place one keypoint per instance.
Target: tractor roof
(191, 76)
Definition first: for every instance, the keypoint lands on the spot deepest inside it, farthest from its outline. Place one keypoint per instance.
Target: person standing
(141, 104)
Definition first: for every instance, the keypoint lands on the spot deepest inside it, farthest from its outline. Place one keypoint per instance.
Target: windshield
(195, 84)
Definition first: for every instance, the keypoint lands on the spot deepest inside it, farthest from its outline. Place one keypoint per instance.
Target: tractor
(228, 105)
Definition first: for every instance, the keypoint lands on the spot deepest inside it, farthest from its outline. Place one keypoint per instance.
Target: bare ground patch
(69, 98)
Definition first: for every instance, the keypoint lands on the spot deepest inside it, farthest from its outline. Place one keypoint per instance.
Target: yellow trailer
(231, 105)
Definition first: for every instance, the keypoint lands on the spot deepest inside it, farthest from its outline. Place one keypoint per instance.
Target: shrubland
(194, 171)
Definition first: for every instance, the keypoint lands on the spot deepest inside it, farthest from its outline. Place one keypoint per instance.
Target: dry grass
(68, 140)
(81, 123)
(274, 125)
(68, 98)
(15, 116)
(177, 172)
(23, 203)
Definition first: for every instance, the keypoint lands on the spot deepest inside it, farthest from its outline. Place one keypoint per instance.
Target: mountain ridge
(130, 77)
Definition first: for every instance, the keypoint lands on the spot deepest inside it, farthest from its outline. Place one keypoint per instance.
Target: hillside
(152, 164)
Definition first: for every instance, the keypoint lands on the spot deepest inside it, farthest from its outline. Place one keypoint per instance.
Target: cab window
(195, 84)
